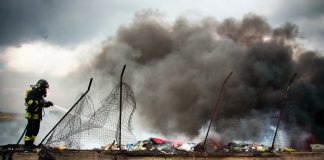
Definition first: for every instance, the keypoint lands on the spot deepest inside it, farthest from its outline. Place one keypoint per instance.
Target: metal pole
(281, 111)
(220, 96)
(67, 113)
(13, 150)
(120, 105)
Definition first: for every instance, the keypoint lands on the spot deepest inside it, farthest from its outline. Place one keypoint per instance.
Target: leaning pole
(219, 98)
(282, 110)
(120, 106)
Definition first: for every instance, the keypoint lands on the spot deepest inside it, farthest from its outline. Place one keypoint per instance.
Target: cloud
(308, 15)
(25, 65)
(296, 9)
(42, 57)
(56, 21)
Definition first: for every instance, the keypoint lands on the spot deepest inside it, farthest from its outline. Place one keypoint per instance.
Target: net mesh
(86, 128)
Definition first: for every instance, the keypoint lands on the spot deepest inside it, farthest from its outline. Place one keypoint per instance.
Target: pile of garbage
(242, 147)
(173, 147)
(154, 144)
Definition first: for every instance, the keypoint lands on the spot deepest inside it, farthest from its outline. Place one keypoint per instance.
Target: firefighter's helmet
(42, 84)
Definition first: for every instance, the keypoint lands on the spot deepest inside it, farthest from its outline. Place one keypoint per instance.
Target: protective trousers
(32, 131)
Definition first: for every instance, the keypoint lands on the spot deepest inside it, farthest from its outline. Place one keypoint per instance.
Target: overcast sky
(50, 38)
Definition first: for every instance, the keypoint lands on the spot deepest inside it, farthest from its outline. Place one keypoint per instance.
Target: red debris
(157, 140)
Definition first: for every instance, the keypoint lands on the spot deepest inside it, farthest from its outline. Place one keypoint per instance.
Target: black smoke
(176, 70)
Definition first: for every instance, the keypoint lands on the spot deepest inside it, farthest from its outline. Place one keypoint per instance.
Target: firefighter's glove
(48, 104)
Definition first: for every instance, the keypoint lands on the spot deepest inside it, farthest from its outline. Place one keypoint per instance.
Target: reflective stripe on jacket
(35, 116)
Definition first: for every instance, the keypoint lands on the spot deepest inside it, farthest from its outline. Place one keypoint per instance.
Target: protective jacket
(35, 103)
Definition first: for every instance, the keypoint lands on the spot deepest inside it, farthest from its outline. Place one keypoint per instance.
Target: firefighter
(35, 104)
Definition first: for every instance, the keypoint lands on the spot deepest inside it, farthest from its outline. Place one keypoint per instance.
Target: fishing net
(87, 128)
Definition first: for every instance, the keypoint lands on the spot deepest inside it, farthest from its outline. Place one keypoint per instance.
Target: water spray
(60, 108)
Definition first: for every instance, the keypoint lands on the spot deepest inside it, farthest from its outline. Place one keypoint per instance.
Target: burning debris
(317, 147)
(236, 147)
(176, 147)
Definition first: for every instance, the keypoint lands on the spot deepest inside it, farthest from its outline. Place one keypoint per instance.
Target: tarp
(157, 140)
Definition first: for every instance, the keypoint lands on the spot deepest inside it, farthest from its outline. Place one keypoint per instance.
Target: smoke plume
(176, 71)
